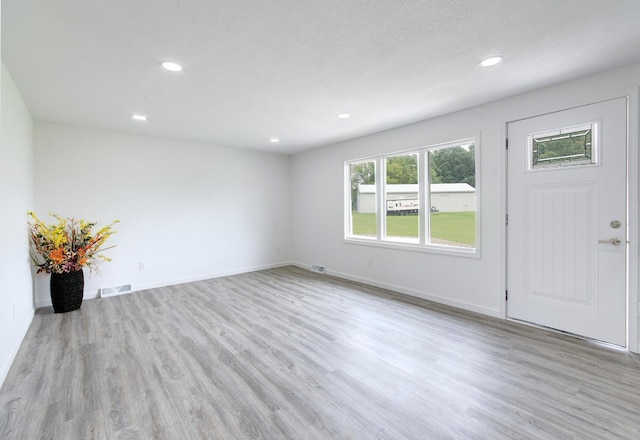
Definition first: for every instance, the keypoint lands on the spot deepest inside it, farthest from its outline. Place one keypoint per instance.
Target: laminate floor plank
(288, 354)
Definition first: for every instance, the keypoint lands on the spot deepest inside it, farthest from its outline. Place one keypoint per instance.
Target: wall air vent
(318, 269)
(113, 291)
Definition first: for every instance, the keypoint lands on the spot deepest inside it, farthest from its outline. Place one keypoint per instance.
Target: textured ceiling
(255, 69)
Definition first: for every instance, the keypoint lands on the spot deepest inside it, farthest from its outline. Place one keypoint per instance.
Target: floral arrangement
(67, 246)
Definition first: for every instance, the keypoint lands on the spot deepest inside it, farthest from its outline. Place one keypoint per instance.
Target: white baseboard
(496, 313)
(171, 282)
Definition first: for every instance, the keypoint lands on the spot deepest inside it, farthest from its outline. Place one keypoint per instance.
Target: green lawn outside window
(456, 228)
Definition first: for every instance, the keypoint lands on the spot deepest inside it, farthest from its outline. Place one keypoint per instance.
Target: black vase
(67, 289)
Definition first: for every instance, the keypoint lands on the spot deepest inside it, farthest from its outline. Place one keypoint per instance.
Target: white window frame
(348, 223)
(382, 198)
(424, 197)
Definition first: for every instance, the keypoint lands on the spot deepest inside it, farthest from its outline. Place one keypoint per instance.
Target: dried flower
(67, 246)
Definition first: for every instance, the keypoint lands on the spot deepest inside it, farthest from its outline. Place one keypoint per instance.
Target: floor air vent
(113, 291)
(318, 269)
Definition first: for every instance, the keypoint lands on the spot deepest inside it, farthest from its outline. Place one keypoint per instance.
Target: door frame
(633, 194)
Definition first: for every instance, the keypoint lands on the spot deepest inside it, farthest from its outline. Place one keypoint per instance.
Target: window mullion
(381, 218)
(423, 197)
(348, 216)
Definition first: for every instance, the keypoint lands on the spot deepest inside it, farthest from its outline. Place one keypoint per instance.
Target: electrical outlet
(370, 262)
(141, 265)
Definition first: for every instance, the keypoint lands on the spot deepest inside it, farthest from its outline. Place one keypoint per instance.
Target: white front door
(567, 220)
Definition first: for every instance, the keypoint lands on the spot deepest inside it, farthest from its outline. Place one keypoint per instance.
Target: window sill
(452, 251)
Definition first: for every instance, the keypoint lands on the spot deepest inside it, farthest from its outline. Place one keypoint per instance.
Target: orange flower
(57, 255)
(67, 245)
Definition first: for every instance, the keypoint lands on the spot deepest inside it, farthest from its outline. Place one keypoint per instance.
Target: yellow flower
(68, 245)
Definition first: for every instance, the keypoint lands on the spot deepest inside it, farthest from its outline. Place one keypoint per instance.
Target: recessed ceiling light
(170, 65)
(138, 117)
(274, 140)
(344, 115)
(491, 61)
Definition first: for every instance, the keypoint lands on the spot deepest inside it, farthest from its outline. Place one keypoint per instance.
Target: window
(423, 198)
(363, 212)
(401, 198)
(561, 148)
(452, 178)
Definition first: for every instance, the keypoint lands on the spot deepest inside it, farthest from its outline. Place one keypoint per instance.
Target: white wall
(318, 212)
(188, 211)
(476, 284)
(16, 198)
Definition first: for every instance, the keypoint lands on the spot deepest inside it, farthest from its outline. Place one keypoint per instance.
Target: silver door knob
(614, 241)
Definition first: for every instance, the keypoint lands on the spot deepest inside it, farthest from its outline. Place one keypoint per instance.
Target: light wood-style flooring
(288, 354)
